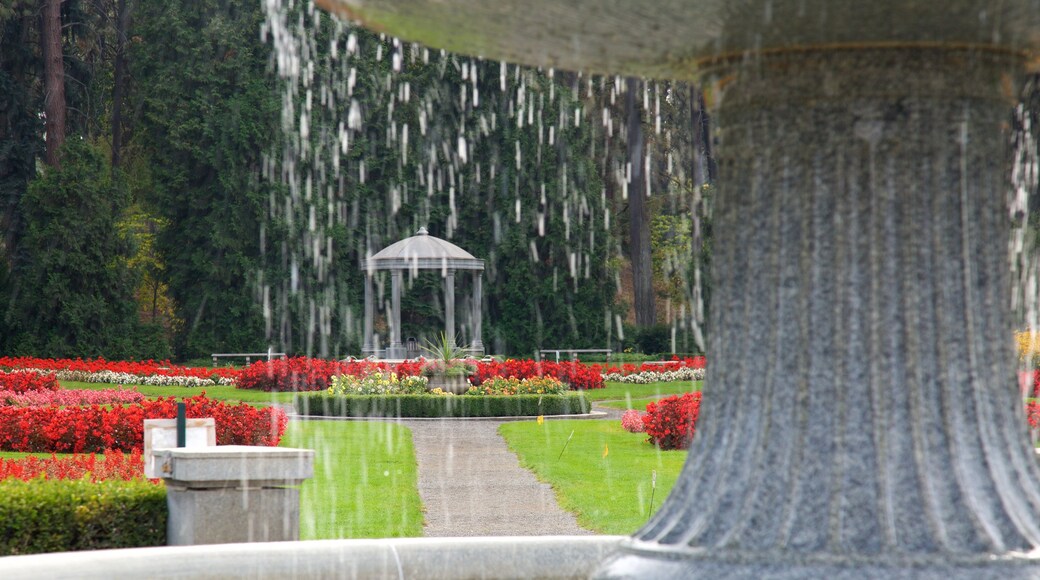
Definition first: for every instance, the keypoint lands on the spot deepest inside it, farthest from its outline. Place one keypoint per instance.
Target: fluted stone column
(449, 305)
(860, 417)
(396, 349)
(369, 346)
(477, 344)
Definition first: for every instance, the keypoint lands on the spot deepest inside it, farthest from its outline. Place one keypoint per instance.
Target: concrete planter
(449, 383)
(233, 493)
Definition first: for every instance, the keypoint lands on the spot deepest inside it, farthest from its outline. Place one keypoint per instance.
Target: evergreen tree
(72, 291)
(206, 112)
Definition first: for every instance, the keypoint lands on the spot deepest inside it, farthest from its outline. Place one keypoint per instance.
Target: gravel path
(471, 484)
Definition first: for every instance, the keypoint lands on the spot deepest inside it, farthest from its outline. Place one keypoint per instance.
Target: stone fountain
(860, 416)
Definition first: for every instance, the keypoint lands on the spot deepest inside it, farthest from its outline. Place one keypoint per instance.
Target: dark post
(182, 429)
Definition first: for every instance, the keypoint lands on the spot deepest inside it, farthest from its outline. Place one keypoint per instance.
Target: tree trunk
(54, 79)
(119, 81)
(639, 217)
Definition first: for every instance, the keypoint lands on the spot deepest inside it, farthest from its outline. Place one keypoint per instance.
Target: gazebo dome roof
(423, 252)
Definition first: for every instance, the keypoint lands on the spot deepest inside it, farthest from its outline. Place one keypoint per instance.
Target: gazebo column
(449, 305)
(369, 347)
(477, 345)
(396, 349)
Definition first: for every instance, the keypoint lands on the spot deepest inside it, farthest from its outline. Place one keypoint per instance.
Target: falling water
(1024, 212)
(440, 164)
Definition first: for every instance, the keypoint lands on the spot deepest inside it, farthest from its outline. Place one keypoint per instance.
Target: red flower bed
(575, 374)
(670, 421)
(112, 465)
(24, 382)
(310, 374)
(94, 429)
(140, 368)
(1033, 415)
(696, 362)
(314, 374)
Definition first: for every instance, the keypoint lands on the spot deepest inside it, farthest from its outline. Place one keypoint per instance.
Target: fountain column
(860, 415)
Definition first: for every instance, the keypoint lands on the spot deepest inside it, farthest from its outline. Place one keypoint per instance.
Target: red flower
(670, 421)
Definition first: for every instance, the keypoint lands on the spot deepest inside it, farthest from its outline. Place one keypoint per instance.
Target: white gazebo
(421, 252)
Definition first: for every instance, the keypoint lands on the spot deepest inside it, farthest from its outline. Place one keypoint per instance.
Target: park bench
(574, 352)
(247, 355)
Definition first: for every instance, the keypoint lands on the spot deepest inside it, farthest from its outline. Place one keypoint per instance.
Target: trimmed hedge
(428, 405)
(60, 515)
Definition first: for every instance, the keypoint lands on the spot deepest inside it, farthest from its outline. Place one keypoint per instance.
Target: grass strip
(217, 392)
(605, 474)
(364, 484)
(638, 404)
(614, 391)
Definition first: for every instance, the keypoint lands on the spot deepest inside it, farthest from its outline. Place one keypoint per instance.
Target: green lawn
(364, 484)
(638, 404)
(609, 493)
(20, 455)
(624, 391)
(221, 392)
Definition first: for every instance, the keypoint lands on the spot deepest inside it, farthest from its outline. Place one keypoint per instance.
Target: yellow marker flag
(606, 450)
(541, 419)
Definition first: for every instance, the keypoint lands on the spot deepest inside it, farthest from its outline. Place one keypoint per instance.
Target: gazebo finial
(422, 231)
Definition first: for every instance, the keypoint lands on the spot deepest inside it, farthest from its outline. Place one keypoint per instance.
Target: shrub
(654, 339)
(27, 381)
(57, 516)
(113, 465)
(670, 421)
(377, 383)
(121, 427)
(515, 386)
(1028, 344)
(433, 405)
(1033, 415)
(632, 421)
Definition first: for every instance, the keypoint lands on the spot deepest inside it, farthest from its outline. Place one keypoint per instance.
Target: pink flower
(632, 421)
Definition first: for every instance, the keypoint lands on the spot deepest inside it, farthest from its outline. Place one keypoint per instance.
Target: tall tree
(119, 79)
(207, 110)
(638, 212)
(54, 79)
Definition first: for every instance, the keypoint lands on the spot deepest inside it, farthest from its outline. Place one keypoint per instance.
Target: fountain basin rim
(414, 558)
(735, 57)
(781, 557)
(589, 415)
(670, 38)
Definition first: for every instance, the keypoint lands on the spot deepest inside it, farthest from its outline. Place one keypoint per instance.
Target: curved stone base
(632, 561)
(547, 557)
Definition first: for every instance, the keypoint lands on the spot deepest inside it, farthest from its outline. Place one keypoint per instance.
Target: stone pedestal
(233, 493)
(861, 417)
